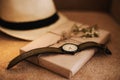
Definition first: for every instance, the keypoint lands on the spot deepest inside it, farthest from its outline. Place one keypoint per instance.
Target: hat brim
(35, 33)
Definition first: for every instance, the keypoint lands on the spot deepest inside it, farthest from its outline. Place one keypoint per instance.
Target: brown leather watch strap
(91, 44)
(33, 52)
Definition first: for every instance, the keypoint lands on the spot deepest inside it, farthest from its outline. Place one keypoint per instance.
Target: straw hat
(29, 19)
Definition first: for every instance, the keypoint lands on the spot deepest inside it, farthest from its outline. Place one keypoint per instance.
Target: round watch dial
(69, 47)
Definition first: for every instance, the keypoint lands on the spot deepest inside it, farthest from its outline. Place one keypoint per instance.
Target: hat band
(29, 25)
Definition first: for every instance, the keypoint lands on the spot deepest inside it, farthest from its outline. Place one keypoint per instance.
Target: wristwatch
(67, 48)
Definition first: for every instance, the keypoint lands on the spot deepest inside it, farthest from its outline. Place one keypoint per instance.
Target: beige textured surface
(100, 67)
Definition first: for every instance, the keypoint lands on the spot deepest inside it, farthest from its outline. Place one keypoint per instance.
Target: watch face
(70, 48)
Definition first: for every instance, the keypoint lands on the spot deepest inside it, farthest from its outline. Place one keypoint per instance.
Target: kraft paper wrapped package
(65, 65)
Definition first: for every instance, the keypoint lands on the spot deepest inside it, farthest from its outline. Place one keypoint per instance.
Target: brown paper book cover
(65, 65)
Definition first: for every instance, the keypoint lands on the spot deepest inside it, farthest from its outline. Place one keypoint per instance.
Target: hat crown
(26, 10)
